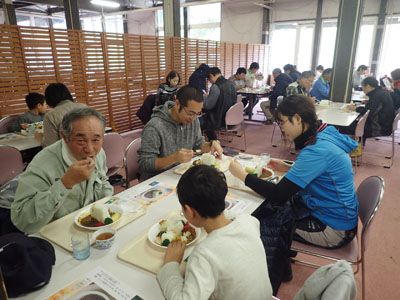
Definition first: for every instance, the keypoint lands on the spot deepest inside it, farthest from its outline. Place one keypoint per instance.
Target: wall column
(172, 23)
(349, 19)
(379, 36)
(9, 12)
(72, 14)
(317, 35)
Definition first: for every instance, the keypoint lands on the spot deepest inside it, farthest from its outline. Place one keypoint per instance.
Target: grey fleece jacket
(163, 136)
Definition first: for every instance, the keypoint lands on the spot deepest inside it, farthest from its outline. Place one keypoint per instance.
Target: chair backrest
(131, 135)
(11, 163)
(234, 115)
(369, 194)
(131, 160)
(113, 146)
(396, 122)
(6, 122)
(359, 132)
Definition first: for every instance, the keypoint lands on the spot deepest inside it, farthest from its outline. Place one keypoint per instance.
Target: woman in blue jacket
(322, 176)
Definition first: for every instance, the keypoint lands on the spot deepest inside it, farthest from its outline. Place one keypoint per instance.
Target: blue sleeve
(310, 164)
(317, 91)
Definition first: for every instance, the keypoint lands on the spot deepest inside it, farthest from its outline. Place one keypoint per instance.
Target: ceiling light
(105, 3)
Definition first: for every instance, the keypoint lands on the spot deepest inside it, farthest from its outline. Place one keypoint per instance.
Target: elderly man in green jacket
(65, 176)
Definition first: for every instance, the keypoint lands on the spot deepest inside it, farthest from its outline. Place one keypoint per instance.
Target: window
(327, 43)
(365, 45)
(292, 44)
(389, 57)
(114, 24)
(160, 22)
(204, 22)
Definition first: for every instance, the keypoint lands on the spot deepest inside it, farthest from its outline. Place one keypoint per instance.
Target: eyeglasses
(192, 115)
(281, 123)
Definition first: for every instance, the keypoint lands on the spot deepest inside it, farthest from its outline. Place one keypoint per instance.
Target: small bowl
(105, 240)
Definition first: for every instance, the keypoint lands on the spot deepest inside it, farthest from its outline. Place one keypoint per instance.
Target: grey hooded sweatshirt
(163, 136)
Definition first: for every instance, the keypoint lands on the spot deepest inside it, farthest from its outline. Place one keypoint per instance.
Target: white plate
(155, 229)
(112, 207)
(153, 194)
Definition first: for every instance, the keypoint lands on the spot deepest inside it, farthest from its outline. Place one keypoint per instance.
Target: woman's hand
(278, 165)
(237, 170)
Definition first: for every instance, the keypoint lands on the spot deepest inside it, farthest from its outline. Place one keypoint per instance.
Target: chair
(393, 135)
(113, 146)
(131, 161)
(369, 194)
(6, 122)
(131, 135)
(359, 133)
(11, 163)
(233, 121)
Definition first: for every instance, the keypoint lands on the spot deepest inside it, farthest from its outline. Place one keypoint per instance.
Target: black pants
(206, 127)
(6, 226)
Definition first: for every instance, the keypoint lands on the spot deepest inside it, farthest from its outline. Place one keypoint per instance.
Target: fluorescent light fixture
(105, 3)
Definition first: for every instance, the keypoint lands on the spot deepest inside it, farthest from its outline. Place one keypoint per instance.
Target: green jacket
(41, 196)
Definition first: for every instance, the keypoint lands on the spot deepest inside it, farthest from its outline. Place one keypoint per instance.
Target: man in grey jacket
(172, 134)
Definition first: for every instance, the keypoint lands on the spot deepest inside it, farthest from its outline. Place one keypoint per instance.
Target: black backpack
(26, 263)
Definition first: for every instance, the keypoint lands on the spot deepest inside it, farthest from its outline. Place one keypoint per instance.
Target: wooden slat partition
(111, 72)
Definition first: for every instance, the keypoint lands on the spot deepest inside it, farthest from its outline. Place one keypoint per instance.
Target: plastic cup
(31, 129)
(265, 158)
(80, 245)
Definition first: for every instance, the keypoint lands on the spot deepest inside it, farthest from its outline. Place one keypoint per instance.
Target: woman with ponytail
(321, 178)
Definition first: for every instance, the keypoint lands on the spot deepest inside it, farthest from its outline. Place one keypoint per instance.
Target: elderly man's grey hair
(307, 74)
(80, 113)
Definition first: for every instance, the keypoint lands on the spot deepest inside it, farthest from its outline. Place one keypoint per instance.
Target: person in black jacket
(281, 83)
(380, 105)
(222, 96)
(198, 78)
(291, 72)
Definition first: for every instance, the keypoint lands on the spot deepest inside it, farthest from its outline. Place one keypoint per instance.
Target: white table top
(335, 114)
(21, 142)
(67, 269)
(358, 96)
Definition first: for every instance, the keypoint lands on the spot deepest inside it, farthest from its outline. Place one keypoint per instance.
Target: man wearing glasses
(302, 86)
(173, 134)
(222, 96)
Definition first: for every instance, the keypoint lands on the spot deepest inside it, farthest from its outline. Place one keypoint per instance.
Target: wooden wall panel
(111, 72)
(13, 81)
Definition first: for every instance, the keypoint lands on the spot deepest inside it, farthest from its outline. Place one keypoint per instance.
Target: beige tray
(236, 184)
(59, 231)
(143, 254)
(223, 166)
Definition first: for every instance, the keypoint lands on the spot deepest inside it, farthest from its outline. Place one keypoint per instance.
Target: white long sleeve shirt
(229, 264)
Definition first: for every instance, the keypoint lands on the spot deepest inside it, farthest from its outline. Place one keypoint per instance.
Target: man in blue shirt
(321, 87)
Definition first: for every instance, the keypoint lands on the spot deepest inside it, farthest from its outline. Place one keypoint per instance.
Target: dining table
(20, 141)
(336, 113)
(67, 269)
(262, 91)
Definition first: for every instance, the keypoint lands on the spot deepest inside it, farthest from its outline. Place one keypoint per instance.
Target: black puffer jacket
(198, 79)
(227, 98)
(381, 115)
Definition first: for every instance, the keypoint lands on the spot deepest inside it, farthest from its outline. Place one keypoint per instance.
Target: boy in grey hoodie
(172, 134)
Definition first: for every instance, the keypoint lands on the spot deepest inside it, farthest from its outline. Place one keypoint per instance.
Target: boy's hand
(24, 126)
(175, 252)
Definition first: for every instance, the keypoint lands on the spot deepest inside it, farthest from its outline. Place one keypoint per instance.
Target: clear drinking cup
(80, 243)
(265, 158)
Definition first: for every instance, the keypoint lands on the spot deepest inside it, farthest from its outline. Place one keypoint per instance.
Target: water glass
(31, 128)
(265, 158)
(80, 243)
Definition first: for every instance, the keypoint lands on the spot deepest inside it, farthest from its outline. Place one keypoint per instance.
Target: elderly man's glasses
(192, 115)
